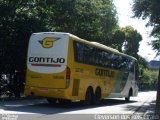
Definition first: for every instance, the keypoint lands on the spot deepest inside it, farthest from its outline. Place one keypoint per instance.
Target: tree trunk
(157, 109)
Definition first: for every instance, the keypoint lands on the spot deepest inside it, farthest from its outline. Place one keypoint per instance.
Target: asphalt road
(39, 109)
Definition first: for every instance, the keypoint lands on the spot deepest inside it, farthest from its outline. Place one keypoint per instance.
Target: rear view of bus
(47, 71)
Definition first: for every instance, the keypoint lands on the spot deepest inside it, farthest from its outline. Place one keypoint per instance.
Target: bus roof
(101, 46)
(96, 44)
(63, 33)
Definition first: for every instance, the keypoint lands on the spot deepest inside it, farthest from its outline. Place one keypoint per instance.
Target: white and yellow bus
(62, 66)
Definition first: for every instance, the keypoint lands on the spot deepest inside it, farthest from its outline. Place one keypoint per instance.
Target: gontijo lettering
(104, 73)
(46, 60)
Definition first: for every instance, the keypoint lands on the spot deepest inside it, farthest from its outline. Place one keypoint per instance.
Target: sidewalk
(146, 112)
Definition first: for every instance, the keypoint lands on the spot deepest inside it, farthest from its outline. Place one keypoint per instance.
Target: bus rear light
(68, 73)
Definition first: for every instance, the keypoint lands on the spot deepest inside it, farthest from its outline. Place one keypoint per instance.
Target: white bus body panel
(41, 59)
(130, 84)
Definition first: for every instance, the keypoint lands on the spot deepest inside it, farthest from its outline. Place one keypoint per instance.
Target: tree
(126, 40)
(142, 62)
(118, 39)
(92, 20)
(132, 39)
(150, 9)
(148, 80)
(16, 26)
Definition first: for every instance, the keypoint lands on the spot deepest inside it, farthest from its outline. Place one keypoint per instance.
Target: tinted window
(94, 56)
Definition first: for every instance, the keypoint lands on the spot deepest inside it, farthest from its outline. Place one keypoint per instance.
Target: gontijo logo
(48, 42)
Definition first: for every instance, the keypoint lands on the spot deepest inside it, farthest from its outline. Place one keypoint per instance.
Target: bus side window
(136, 71)
(123, 66)
(131, 66)
(78, 52)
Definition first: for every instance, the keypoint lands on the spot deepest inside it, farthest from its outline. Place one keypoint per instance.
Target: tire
(97, 96)
(88, 97)
(127, 99)
(51, 101)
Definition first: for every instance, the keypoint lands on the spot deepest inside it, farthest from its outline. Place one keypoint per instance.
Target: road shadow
(142, 109)
(41, 106)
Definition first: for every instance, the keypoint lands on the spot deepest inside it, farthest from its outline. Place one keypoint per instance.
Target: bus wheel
(88, 97)
(51, 100)
(97, 96)
(127, 99)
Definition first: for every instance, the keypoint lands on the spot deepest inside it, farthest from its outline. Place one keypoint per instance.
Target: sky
(125, 19)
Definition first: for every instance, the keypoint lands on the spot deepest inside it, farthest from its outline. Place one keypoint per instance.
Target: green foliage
(132, 39)
(15, 33)
(118, 39)
(156, 45)
(149, 9)
(89, 19)
(126, 40)
(143, 64)
(149, 80)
